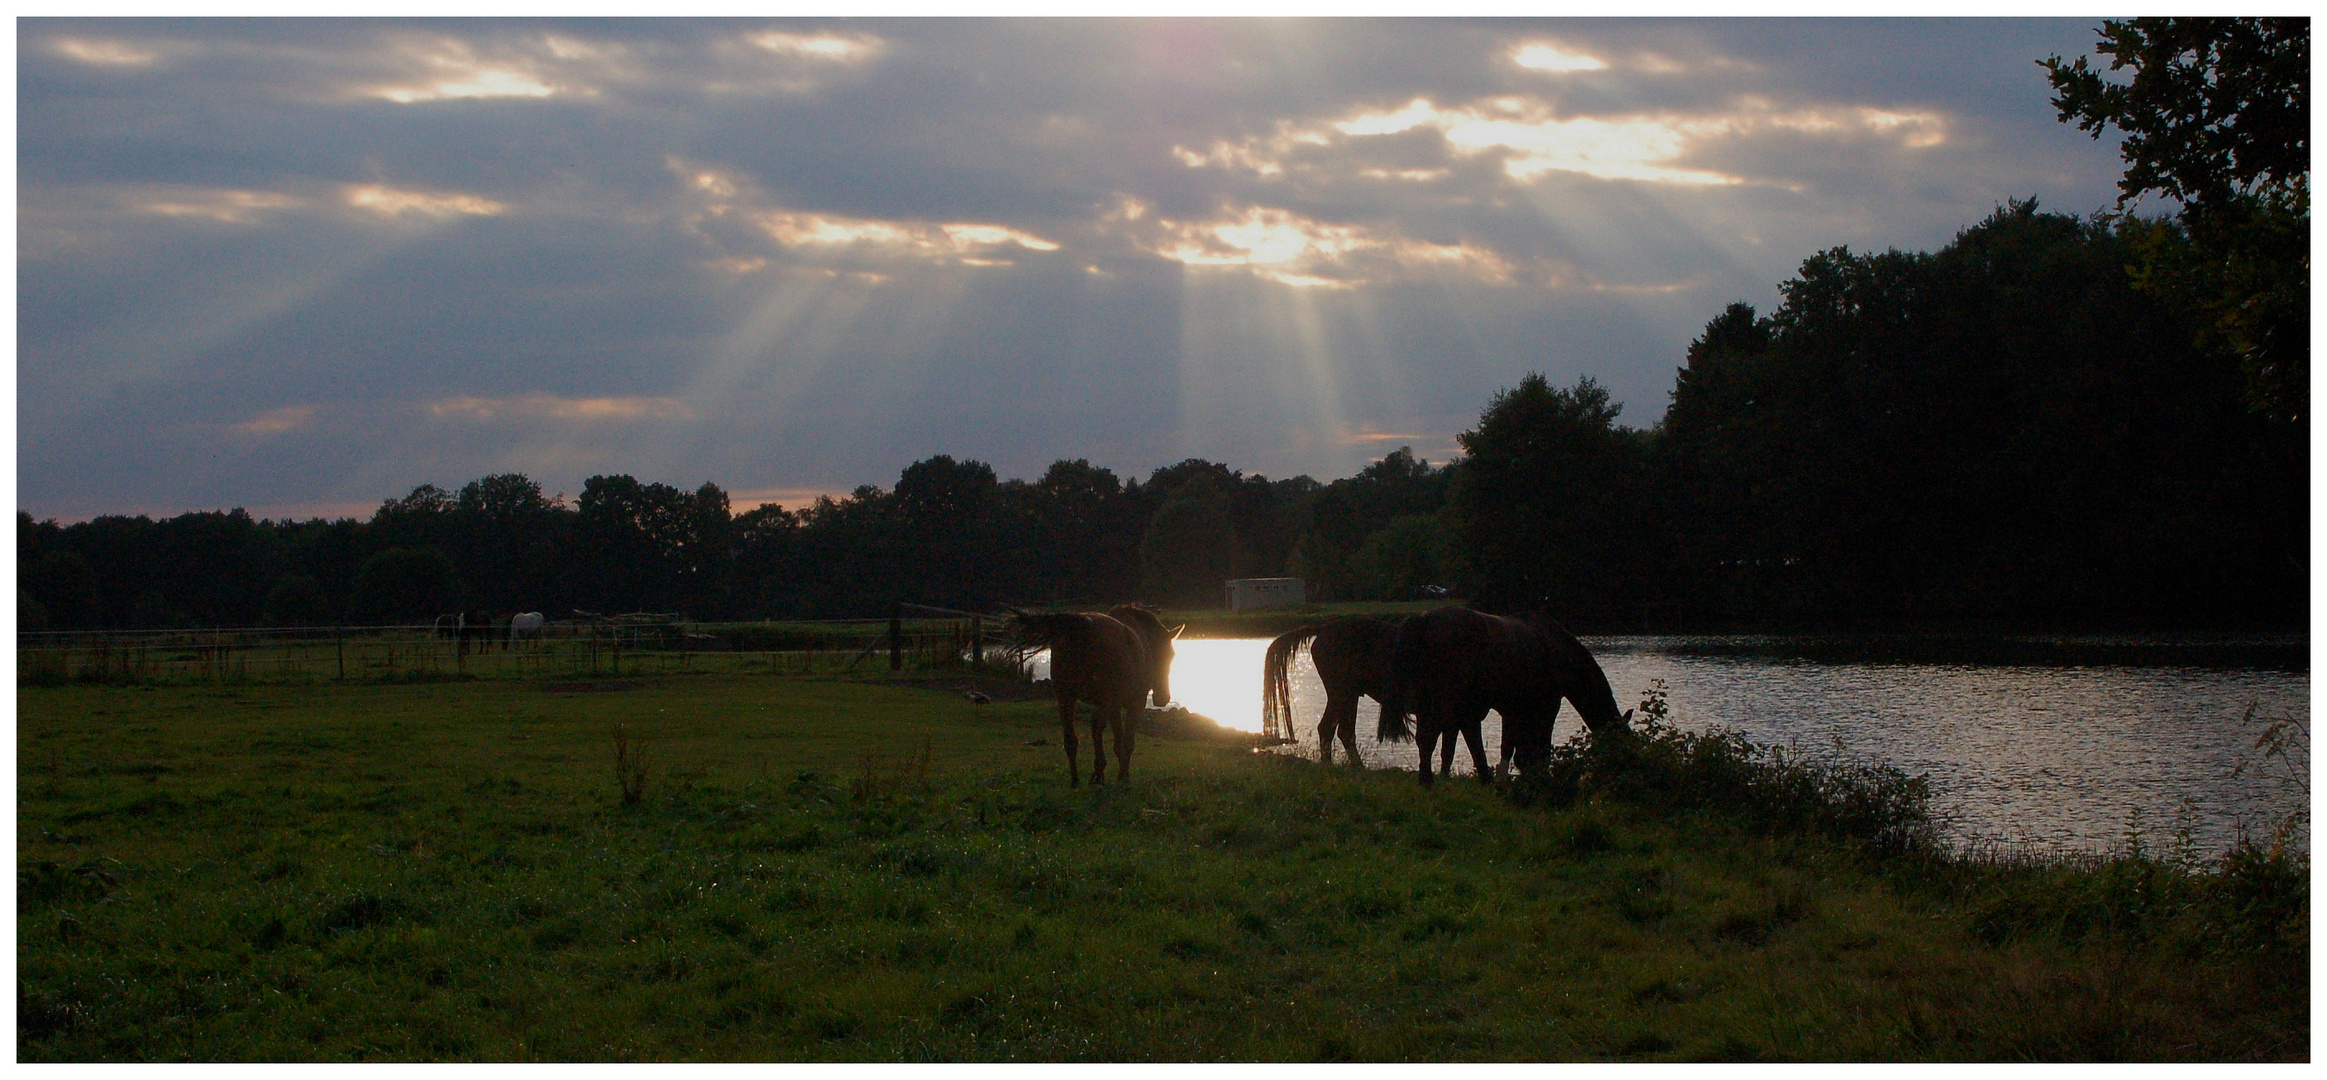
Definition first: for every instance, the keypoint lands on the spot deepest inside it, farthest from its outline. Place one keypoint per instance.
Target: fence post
(340, 634)
(897, 638)
(977, 644)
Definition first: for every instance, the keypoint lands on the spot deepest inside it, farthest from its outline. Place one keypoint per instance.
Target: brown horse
(476, 631)
(1451, 665)
(1114, 662)
(1352, 654)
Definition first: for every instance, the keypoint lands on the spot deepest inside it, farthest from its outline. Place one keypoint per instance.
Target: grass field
(827, 869)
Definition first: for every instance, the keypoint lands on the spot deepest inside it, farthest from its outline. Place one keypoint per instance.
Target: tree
(1549, 496)
(1190, 548)
(508, 544)
(296, 601)
(2003, 431)
(404, 584)
(2216, 116)
(1347, 513)
(1088, 530)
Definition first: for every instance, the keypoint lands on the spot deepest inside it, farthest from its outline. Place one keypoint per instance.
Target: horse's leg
(1066, 723)
(1325, 729)
(1126, 732)
(1511, 736)
(1472, 734)
(1446, 752)
(1340, 720)
(1426, 738)
(1099, 714)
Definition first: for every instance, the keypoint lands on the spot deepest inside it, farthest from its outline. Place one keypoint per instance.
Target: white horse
(524, 624)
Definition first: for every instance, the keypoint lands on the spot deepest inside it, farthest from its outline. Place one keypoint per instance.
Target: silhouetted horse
(477, 631)
(1451, 665)
(1114, 662)
(1352, 654)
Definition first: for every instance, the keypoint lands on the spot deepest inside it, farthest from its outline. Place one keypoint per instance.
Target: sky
(301, 266)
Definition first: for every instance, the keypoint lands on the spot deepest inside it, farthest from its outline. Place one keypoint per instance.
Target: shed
(1260, 592)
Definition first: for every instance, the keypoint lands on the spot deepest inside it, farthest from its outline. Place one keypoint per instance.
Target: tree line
(2053, 421)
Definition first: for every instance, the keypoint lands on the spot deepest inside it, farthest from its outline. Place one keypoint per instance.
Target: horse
(524, 624)
(1451, 665)
(1114, 661)
(1352, 654)
(476, 627)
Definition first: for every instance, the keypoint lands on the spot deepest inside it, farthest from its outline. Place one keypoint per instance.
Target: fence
(566, 649)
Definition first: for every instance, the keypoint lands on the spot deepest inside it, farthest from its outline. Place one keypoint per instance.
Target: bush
(1722, 772)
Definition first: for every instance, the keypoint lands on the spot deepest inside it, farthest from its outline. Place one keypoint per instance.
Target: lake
(2059, 756)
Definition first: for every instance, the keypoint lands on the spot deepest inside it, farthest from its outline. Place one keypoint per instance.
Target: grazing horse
(1352, 654)
(1451, 665)
(524, 624)
(1106, 660)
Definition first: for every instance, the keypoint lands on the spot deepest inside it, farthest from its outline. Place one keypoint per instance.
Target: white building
(1260, 592)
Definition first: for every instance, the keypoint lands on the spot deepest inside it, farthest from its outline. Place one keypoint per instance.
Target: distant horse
(1451, 665)
(524, 624)
(477, 631)
(1352, 654)
(1108, 661)
(448, 627)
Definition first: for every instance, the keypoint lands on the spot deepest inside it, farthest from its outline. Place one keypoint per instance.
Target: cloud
(278, 421)
(481, 83)
(550, 408)
(1284, 246)
(1532, 138)
(102, 53)
(227, 205)
(1547, 56)
(830, 48)
(394, 202)
(723, 198)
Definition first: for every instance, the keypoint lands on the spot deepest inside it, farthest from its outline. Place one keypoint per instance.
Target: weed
(879, 778)
(629, 767)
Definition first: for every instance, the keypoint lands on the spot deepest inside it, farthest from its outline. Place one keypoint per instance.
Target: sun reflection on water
(1220, 678)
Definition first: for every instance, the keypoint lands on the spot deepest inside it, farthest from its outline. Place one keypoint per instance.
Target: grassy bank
(820, 869)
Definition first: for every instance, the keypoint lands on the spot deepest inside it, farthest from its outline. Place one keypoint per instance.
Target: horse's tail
(1276, 684)
(1407, 661)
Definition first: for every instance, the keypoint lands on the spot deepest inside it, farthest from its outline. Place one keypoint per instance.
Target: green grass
(820, 869)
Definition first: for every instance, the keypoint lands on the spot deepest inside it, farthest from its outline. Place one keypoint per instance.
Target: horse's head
(1159, 666)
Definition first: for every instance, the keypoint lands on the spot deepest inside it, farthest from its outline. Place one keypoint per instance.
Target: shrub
(1722, 772)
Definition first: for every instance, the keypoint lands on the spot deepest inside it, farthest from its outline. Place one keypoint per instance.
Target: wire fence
(563, 649)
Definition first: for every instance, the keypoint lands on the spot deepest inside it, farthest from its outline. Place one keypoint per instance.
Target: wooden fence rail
(573, 649)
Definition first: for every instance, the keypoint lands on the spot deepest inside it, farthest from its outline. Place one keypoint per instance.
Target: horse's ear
(1176, 631)
(1628, 716)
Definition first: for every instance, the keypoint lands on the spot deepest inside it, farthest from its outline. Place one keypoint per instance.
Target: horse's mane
(1141, 618)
